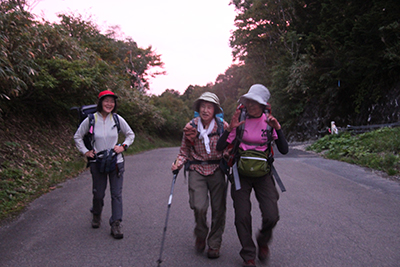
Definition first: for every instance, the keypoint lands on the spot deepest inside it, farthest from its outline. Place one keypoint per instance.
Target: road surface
(333, 214)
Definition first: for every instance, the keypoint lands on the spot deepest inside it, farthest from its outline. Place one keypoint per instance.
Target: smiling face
(108, 104)
(254, 108)
(206, 111)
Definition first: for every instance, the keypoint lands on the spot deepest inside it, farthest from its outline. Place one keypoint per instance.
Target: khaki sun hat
(258, 93)
(209, 97)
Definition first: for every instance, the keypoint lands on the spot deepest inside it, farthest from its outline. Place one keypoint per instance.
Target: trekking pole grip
(177, 170)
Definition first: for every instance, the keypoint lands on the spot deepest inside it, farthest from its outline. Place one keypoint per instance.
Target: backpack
(88, 111)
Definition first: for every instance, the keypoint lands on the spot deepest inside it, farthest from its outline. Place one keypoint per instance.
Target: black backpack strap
(92, 121)
(269, 136)
(116, 120)
(239, 132)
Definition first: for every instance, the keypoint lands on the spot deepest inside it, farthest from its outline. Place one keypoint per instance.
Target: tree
(257, 41)
(17, 53)
(322, 60)
(175, 112)
(344, 44)
(138, 62)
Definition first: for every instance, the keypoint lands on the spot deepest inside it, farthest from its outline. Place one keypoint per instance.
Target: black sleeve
(281, 142)
(222, 144)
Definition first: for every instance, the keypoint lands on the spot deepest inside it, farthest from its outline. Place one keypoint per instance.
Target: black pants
(267, 197)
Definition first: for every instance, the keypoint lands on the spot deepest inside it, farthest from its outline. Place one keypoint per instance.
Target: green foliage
(17, 52)
(138, 63)
(48, 68)
(268, 45)
(377, 149)
(140, 114)
(390, 36)
(257, 39)
(174, 111)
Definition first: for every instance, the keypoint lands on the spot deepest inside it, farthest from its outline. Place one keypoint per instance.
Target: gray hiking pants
(99, 188)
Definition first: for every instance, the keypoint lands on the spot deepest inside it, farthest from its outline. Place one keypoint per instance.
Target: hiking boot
(249, 263)
(263, 253)
(213, 253)
(96, 220)
(116, 230)
(200, 245)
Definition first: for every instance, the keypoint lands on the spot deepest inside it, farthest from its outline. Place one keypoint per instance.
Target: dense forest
(322, 60)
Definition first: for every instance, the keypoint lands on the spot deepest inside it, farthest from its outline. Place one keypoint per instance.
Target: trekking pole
(175, 172)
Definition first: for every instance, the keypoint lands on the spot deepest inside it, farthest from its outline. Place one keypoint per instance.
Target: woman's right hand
(174, 168)
(90, 154)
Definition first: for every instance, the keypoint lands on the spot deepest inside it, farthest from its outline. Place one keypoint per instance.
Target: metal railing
(367, 128)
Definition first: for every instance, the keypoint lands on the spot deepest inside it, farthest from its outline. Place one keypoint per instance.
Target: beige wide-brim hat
(209, 97)
(258, 93)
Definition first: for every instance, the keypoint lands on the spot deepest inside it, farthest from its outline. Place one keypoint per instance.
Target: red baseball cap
(107, 93)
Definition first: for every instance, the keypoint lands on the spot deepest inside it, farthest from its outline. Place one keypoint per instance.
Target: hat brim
(196, 106)
(103, 96)
(254, 97)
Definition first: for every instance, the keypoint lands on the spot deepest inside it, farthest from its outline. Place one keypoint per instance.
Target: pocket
(121, 169)
(253, 163)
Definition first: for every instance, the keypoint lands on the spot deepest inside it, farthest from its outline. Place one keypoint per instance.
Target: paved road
(333, 214)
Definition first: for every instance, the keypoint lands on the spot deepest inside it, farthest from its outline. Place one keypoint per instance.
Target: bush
(377, 149)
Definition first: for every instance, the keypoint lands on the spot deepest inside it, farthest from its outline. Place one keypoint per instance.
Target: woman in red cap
(109, 161)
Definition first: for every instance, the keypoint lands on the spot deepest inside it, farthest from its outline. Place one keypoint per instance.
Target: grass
(378, 150)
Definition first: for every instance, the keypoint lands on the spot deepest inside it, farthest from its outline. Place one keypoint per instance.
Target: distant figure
(334, 129)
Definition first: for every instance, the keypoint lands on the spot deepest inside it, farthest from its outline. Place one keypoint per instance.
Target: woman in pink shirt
(257, 130)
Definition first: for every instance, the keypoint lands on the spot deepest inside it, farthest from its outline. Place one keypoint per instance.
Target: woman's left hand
(119, 149)
(273, 122)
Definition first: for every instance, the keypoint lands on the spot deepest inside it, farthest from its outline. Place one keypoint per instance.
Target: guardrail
(366, 128)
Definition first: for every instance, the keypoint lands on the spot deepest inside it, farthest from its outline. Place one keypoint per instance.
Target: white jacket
(105, 134)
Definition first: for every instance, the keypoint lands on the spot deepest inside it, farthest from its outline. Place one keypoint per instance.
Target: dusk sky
(191, 36)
